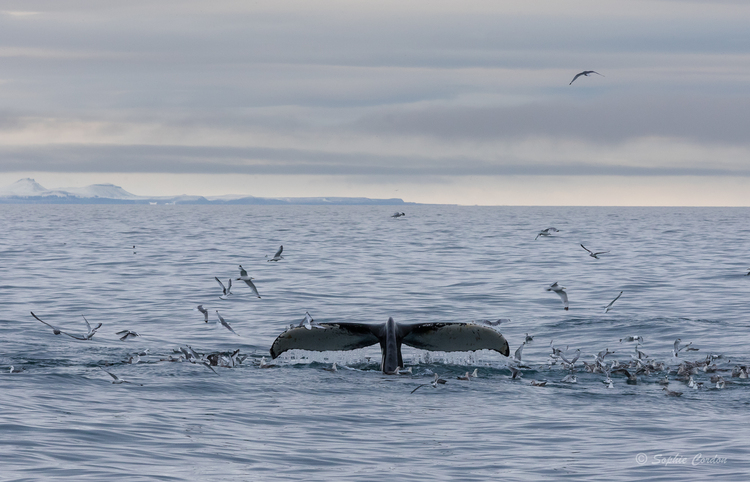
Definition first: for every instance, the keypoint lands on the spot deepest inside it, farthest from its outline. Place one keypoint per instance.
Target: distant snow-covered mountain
(28, 191)
(108, 191)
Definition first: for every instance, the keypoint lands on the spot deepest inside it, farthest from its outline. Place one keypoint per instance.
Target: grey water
(682, 271)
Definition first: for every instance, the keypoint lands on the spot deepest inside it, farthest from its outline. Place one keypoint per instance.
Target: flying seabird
(397, 214)
(585, 73)
(515, 373)
(593, 254)
(528, 338)
(560, 290)
(307, 321)
(244, 277)
(434, 383)
(117, 380)
(278, 255)
(570, 379)
(204, 311)
(631, 338)
(91, 331)
(518, 353)
(127, 334)
(609, 306)
(226, 291)
(547, 232)
(224, 323)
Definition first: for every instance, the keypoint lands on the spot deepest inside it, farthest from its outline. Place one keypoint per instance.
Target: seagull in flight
(224, 323)
(609, 307)
(58, 331)
(560, 290)
(204, 311)
(244, 277)
(397, 214)
(127, 334)
(117, 380)
(307, 322)
(547, 232)
(585, 73)
(226, 291)
(593, 254)
(278, 255)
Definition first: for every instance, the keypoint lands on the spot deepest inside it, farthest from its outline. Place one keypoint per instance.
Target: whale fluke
(391, 335)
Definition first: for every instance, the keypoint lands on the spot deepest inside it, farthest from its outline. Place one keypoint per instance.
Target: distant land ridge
(28, 191)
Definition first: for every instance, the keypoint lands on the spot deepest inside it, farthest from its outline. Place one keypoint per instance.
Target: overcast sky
(452, 102)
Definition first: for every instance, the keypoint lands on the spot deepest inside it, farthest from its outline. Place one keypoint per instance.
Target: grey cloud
(601, 120)
(205, 160)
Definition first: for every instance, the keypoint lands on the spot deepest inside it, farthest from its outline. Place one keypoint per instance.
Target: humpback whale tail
(391, 335)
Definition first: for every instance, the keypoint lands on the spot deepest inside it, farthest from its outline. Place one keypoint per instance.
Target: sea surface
(681, 270)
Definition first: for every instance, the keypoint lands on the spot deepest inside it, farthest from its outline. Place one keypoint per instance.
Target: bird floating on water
(244, 277)
(632, 338)
(585, 73)
(671, 393)
(560, 290)
(593, 254)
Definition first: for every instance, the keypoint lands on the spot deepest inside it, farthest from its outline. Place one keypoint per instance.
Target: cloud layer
(406, 91)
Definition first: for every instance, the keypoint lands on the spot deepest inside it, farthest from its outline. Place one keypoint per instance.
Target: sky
(430, 101)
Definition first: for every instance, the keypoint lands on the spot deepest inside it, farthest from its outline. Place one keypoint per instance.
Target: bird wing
(230, 285)
(454, 337)
(252, 287)
(88, 326)
(595, 72)
(587, 249)
(331, 336)
(223, 288)
(600, 252)
(242, 271)
(564, 296)
(226, 325)
(278, 253)
(519, 352)
(115, 377)
(574, 78)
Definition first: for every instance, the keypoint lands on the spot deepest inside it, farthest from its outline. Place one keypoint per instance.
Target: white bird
(475, 373)
(332, 369)
(677, 349)
(560, 290)
(574, 360)
(593, 254)
(224, 323)
(117, 380)
(465, 377)
(632, 338)
(570, 379)
(225, 291)
(585, 73)
(244, 277)
(278, 255)
(91, 331)
(204, 311)
(55, 329)
(518, 353)
(307, 322)
(127, 334)
(16, 370)
(609, 306)
(547, 232)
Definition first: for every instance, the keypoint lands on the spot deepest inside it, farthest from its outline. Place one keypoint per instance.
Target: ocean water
(681, 269)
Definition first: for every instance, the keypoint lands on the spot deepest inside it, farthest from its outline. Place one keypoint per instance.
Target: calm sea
(681, 270)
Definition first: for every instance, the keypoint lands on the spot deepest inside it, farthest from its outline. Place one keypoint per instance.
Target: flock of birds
(637, 363)
(210, 360)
